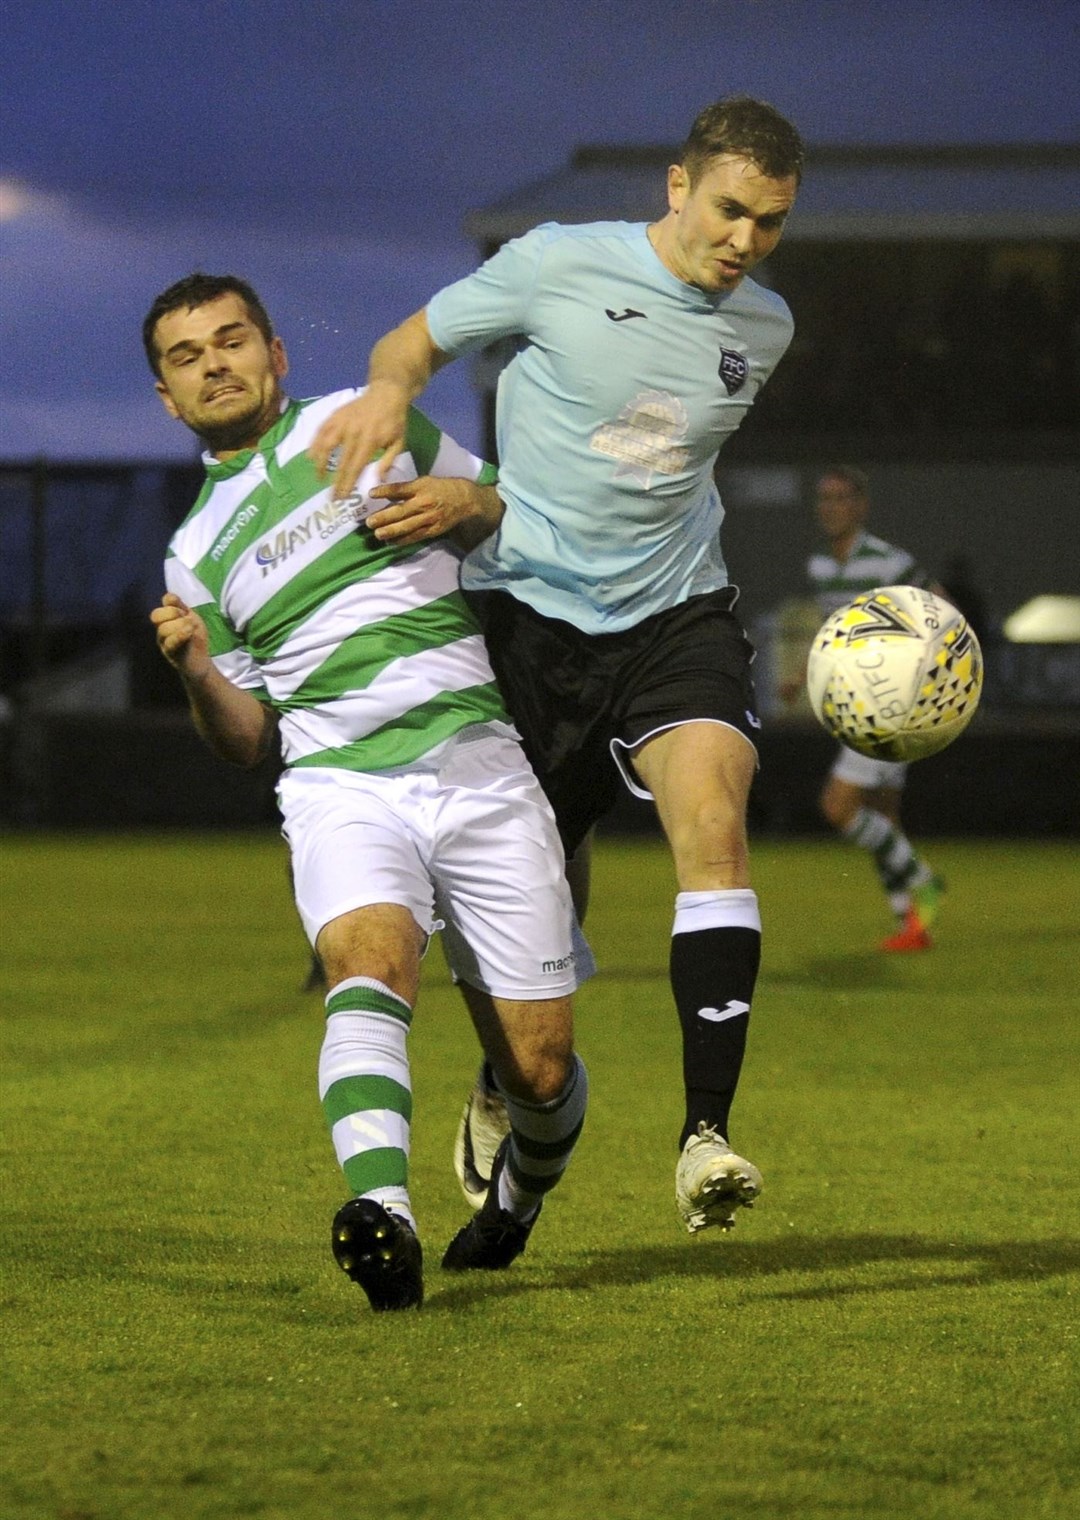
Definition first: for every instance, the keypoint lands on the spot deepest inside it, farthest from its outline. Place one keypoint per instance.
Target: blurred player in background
(861, 797)
(406, 796)
(603, 592)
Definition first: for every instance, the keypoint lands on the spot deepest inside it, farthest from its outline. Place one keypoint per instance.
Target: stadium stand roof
(854, 193)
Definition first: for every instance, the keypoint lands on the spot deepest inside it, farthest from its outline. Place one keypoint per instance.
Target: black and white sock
(542, 1140)
(715, 954)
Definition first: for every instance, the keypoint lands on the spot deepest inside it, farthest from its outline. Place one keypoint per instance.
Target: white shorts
(862, 770)
(470, 840)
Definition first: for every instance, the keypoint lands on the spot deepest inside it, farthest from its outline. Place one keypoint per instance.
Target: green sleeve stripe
(406, 738)
(357, 1095)
(360, 658)
(368, 1000)
(423, 441)
(205, 492)
(221, 633)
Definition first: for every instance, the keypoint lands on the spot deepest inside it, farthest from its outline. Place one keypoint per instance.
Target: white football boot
(483, 1128)
(711, 1182)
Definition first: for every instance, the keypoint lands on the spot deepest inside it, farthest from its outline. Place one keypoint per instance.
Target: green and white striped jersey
(368, 652)
(872, 562)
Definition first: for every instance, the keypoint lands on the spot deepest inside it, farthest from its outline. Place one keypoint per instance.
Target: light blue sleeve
(494, 301)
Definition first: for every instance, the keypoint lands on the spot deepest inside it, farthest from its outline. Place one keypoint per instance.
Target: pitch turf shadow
(912, 1263)
(866, 971)
(795, 1267)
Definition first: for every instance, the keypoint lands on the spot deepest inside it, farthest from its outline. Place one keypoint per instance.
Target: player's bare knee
(839, 802)
(828, 809)
(549, 1080)
(381, 941)
(536, 1069)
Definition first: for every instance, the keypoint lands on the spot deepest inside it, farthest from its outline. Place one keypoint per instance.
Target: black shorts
(573, 694)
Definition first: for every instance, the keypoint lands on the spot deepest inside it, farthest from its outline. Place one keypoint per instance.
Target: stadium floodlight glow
(1045, 620)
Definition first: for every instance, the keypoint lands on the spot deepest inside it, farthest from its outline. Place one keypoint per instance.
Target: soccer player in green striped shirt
(406, 798)
(861, 796)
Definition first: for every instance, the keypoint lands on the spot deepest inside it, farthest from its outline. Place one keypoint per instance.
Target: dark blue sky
(329, 151)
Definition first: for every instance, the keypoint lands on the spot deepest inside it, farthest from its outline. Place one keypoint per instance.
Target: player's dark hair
(857, 479)
(196, 290)
(749, 128)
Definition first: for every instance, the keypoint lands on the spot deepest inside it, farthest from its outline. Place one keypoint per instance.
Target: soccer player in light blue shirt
(602, 589)
(651, 375)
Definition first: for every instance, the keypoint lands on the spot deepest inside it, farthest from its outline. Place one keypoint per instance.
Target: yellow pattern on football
(895, 674)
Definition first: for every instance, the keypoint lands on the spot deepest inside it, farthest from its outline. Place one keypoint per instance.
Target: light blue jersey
(609, 418)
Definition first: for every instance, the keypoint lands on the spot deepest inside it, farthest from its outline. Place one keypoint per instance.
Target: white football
(895, 674)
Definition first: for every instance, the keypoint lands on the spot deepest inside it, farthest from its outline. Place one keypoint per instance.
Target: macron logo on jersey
(239, 522)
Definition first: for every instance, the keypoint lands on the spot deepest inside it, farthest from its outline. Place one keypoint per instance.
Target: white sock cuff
(363, 981)
(735, 908)
(363, 1045)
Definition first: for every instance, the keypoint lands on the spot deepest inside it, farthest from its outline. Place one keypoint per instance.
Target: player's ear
(279, 359)
(678, 186)
(166, 400)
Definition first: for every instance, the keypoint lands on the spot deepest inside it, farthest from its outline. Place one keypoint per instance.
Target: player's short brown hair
(857, 479)
(749, 128)
(196, 290)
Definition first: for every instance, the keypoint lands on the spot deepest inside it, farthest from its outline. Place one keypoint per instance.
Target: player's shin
(897, 865)
(542, 1140)
(365, 1089)
(715, 954)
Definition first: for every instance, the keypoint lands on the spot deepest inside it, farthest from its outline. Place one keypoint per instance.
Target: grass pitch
(891, 1332)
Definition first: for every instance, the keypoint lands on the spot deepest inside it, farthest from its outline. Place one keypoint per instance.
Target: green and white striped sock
(365, 1089)
(897, 865)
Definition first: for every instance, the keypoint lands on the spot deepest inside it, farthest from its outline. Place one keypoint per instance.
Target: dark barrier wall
(149, 770)
(82, 546)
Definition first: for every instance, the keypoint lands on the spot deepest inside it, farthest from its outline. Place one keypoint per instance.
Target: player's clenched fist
(181, 635)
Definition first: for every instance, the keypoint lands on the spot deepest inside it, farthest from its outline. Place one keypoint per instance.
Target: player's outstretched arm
(402, 363)
(436, 507)
(235, 725)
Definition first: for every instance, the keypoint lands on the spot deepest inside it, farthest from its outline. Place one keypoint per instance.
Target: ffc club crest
(733, 370)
